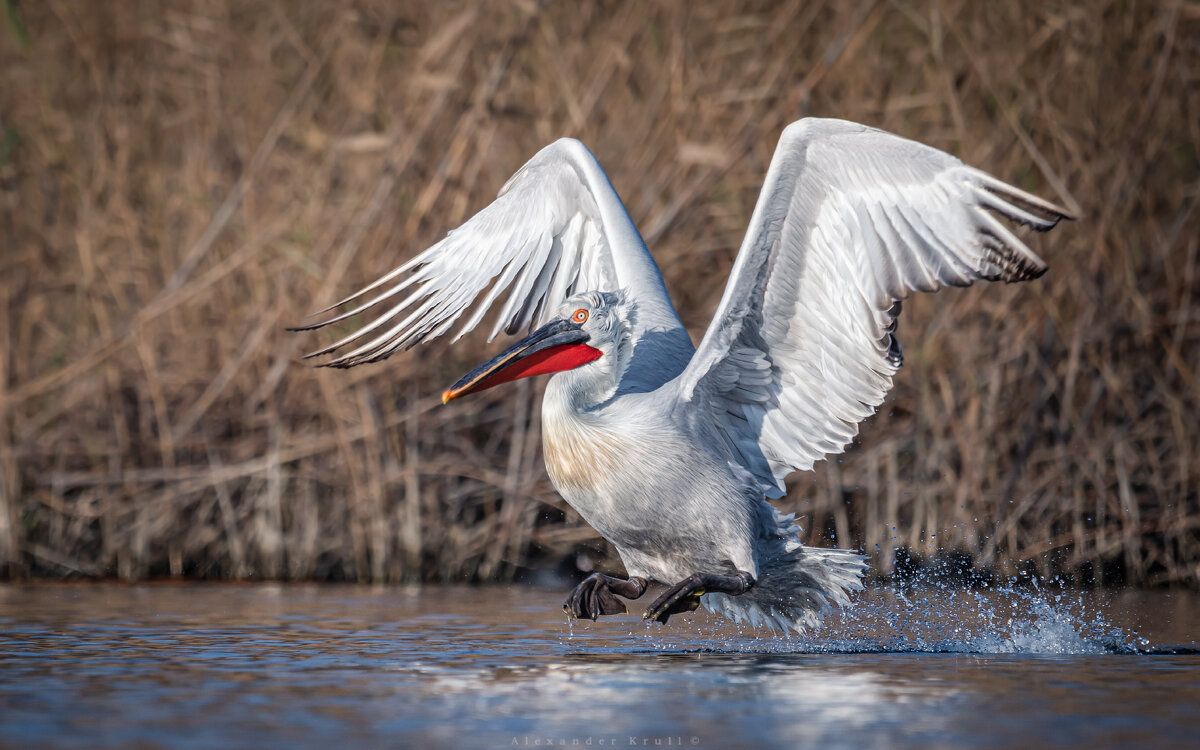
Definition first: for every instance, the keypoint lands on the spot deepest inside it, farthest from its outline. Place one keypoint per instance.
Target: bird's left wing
(557, 227)
(849, 221)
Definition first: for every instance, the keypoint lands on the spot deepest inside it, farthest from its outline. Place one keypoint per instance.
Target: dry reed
(180, 181)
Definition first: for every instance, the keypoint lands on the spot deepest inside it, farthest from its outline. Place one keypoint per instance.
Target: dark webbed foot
(594, 596)
(685, 595)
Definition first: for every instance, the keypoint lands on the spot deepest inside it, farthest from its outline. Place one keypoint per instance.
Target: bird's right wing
(849, 221)
(556, 228)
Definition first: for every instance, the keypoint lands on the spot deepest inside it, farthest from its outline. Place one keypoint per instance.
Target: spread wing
(557, 227)
(849, 221)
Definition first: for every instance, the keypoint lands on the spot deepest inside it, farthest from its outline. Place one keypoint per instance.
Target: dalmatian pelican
(672, 451)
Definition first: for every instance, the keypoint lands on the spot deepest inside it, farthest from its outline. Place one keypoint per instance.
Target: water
(305, 665)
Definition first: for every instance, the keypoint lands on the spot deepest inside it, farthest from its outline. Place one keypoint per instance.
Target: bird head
(589, 334)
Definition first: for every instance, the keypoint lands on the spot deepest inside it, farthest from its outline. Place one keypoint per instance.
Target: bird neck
(584, 388)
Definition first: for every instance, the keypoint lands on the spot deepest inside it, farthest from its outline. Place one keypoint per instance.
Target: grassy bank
(180, 181)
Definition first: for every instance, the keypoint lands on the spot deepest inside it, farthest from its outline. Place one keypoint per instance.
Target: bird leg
(685, 595)
(594, 596)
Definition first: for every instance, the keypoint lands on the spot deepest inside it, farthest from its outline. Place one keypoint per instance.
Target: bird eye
(580, 316)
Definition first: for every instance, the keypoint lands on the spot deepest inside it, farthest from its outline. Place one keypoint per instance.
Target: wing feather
(849, 222)
(556, 227)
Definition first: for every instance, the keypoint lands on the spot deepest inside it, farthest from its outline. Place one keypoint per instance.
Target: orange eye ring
(580, 316)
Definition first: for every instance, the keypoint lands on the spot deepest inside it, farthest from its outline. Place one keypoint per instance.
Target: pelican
(672, 451)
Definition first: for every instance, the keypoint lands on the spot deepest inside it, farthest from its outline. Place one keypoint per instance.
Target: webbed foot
(685, 595)
(596, 595)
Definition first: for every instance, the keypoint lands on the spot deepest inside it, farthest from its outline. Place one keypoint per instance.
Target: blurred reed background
(180, 180)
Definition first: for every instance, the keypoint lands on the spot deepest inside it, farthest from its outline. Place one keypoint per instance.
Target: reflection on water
(222, 665)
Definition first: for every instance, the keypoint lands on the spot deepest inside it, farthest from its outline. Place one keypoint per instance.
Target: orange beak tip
(446, 396)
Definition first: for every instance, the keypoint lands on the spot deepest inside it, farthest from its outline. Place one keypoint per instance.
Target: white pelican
(670, 451)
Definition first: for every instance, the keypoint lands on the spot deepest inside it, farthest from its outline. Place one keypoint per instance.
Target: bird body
(673, 500)
(639, 511)
(671, 451)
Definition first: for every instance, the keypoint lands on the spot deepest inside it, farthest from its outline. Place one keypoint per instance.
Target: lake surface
(183, 666)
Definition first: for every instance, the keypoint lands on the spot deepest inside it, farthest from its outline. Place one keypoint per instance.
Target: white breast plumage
(580, 452)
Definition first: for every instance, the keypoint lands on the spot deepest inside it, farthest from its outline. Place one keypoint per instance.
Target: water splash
(1009, 618)
(931, 616)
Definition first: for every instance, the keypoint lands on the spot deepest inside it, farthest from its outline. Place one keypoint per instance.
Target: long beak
(559, 345)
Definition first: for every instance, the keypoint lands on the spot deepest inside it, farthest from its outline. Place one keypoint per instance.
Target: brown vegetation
(181, 180)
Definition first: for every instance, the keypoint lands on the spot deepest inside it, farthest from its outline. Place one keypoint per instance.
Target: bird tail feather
(796, 588)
